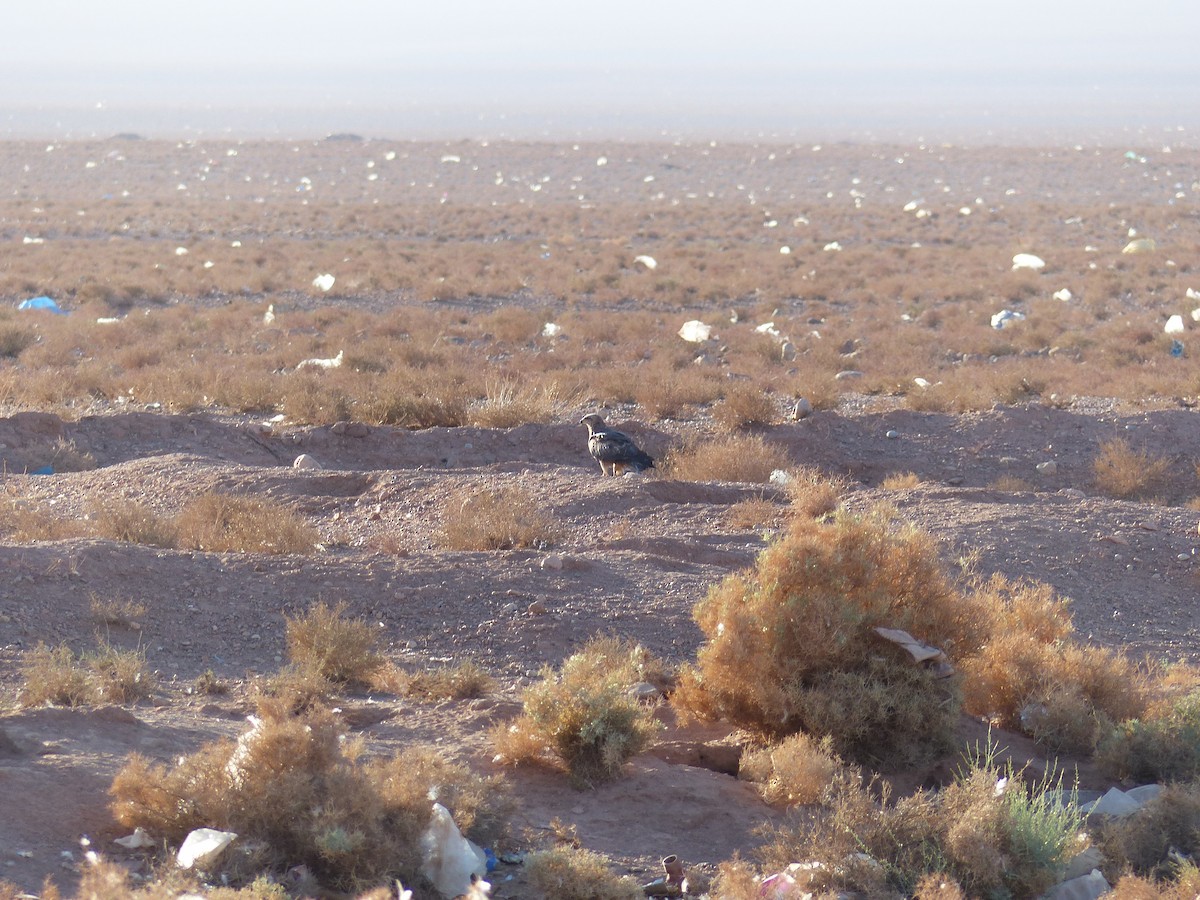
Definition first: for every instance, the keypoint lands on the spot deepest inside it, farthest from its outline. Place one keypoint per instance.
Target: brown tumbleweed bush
(790, 644)
(582, 715)
(300, 795)
(338, 648)
(568, 873)
(1123, 473)
(795, 771)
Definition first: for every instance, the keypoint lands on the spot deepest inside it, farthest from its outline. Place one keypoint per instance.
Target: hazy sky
(465, 66)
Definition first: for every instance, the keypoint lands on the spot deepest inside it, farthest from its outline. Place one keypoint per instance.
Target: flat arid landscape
(299, 530)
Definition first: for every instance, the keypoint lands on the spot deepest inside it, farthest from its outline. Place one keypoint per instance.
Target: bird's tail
(644, 461)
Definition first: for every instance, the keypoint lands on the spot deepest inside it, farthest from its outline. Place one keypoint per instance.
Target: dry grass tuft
(222, 523)
(1123, 473)
(134, 523)
(566, 873)
(583, 714)
(104, 675)
(813, 493)
(901, 481)
(794, 772)
(1011, 484)
(510, 403)
(749, 515)
(736, 457)
(118, 613)
(500, 518)
(464, 681)
(1161, 745)
(745, 406)
(325, 642)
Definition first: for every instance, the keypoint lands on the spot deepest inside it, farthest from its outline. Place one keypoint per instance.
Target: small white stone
(304, 461)
(552, 561)
(1047, 468)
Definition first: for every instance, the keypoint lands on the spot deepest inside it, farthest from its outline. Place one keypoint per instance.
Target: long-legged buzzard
(613, 449)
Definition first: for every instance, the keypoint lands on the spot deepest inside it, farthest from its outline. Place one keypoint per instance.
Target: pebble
(552, 561)
(893, 434)
(1047, 468)
(803, 408)
(351, 429)
(847, 374)
(537, 608)
(304, 461)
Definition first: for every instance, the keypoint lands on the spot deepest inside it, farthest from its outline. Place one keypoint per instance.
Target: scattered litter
(1085, 887)
(323, 282)
(1028, 261)
(181, 251)
(321, 363)
(695, 331)
(1116, 804)
(42, 303)
(648, 262)
(44, 470)
(448, 859)
(918, 650)
(780, 477)
(1064, 295)
(1192, 294)
(33, 240)
(1177, 348)
(1006, 316)
(832, 247)
(550, 330)
(1174, 325)
(785, 250)
(108, 320)
(1141, 245)
(768, 328)
(203, 846)
(921, 382)
(135, 841)
(269, 315)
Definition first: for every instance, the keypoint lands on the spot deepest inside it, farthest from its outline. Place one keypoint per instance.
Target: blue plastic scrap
(42, 303)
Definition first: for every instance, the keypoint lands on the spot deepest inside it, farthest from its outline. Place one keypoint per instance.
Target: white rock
(803, 408)
(1174, 325)
(1140, 245)
(921, 382)
(304, 461)
(892, 434)
(832, 247)
(323, 282)
(1085, 887)
(780, 476)
(695, 331)
(648, 262)
(1116, 803)
(552, 561)
(1047, 468)
(1192, 294)
(1005, 317)
(550, 330)
(203, 846)
(1064, 295)
(1028, 261)
(181, 251)
(134, 841)
(1196, 314)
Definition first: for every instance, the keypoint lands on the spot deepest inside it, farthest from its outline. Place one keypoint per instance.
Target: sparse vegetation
(901, 481)
(796, 771)
(327, 643)
(301, 795)
(582, 715)
(575, 874)
(223, 523)
(1121, 472)
(55, 675)
(495, 519)
(736, 457)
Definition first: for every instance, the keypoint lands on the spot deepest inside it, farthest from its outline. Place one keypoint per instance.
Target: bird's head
(592, 421)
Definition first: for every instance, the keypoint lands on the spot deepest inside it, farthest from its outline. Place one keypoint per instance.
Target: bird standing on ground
(612, 448)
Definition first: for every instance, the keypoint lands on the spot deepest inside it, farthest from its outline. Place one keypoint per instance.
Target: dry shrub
(119, 613)
(901, 481)
(814, 494)
(1164, 745)
(104, 675)
(1150, 841)
(567, 873)
(323, 641)
(23, 521)
(735, 457)
(743, 406)
(1031, 675)
(1123, 473)
(1011, 484)
(297, 794)
(991, 833)
(1183, 885)
(15, 338)
(510, 403)
(583, 713)
(133, 523)
(222, 523)
(751, 514)
(495, 519)
(464, 681)
(790, 644)
(794, 772)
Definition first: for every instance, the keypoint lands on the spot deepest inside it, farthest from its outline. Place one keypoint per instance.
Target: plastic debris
(918, 650)
(1192, 294)
(1028, 261)
(1177, 348)
(269, 315)
(203, 846)
(1174, 325)
(648, 262)
(448, 859)
(1141, 245)
(108, 320)
(1064, 295)
(832, 247)
(324, 282)
(135, 841)
(181, 251)
(42, 303)
(1005, 317)
(695, 331)
(550, 330)
(33, 240)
